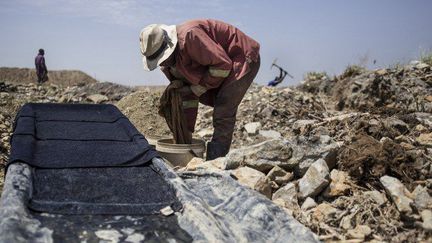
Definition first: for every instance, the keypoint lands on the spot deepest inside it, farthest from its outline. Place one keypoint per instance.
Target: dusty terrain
(348, 156)
(60, 77)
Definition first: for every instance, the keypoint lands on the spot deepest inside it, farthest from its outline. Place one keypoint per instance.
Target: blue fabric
(272, 83)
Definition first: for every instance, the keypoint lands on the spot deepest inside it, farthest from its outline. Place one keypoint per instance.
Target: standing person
(216, 63)
(41, 69)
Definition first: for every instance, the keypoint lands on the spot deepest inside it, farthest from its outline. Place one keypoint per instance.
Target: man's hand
(185, 90)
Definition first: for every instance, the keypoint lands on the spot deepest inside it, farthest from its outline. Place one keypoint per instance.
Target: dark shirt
(40, 65)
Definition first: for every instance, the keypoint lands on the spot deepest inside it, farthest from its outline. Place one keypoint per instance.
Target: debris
(425, 139)
(308, 204)
(280, 176)
(398, 193)
(315, 179)
(427, 219)
(112, 236)
(252, 127)
(339, 184)
(194, 163)
(286, 197)
(253, 179)
(422, 199)
(376, 196)
(271, 134)
(324, 211)
(97, 98)
(360, 232)
(167, 211)
(263, 156)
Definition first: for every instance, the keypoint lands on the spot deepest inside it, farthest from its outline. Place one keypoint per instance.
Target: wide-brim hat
(157, 42)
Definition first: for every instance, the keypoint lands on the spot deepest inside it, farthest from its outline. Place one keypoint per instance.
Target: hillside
(60, 77)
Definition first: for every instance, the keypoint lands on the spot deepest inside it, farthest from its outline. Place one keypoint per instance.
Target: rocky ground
(349, 156)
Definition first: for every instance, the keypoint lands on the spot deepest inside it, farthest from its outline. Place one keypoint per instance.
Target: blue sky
(100, 37)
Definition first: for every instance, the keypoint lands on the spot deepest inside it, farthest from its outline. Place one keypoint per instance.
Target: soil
(141, 108)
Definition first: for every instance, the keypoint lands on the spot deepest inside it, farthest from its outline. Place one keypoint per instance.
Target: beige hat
(157, 42)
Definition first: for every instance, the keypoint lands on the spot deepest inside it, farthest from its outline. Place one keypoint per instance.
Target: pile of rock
(350, 157)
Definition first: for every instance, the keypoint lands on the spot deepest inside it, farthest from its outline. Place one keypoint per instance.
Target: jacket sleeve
(167, 73)
(202, 49)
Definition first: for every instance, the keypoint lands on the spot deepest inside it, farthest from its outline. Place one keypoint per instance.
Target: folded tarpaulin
(88, 159)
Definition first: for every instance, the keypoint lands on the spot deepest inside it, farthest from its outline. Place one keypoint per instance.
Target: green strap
(218, 73)
(190, 104)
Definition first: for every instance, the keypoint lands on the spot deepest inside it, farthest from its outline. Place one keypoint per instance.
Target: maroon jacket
(211, 52)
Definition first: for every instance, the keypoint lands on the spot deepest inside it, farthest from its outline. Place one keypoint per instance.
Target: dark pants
(225, 101)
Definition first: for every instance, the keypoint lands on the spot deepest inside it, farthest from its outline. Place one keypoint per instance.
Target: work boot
(216, 150)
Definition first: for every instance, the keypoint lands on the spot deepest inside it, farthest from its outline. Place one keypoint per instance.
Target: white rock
(339, 184)
(280, 176)
(427, 219)
(205, 133)
(377, 196)
(252, 127)
(254, 179)
(422, 199)
(398, 193)
(360, 232)
(270, 134)
(315, 179)
(167, 211)
(109, 235)
(286, 197)
(308, 204)
(97, 98)
(135, 238)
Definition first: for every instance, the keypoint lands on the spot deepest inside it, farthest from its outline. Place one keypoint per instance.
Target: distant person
(278, 80)
(216, 63)
(41, 69)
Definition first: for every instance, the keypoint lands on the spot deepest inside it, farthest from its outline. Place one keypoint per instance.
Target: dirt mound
(367, 159)
(141, 108)
(60, 77)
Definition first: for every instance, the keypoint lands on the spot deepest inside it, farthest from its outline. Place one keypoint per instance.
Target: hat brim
(152, 64)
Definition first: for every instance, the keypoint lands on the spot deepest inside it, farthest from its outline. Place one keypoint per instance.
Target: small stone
(263, 156)
(109, 235)
(422, 65)
(425, 139)
(301, 125)
(377, 196)
(398, 192)
(97, 98)
(286, 197)
(324, 211)
(205, 133)
(254, 179)
(280, 176)
(135, 238)
(194, 163)
(339, 184)
(422, 199)
(252, 128)
(420, 128)
(308, 204)
(167, 211)
(427, 219)
(315, 179)
(428, 98)
(381, 71)
(360, 232)
(272, 134)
